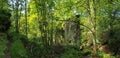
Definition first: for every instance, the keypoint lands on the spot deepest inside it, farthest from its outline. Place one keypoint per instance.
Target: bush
(4, 20)
(114, 40)
(102, 54)
(71, 52)
(3, 43)
(18, 50)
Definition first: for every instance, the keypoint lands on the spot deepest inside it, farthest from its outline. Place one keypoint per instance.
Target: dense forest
(59, 28)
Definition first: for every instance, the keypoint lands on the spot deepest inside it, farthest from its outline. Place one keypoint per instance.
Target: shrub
(18, 50)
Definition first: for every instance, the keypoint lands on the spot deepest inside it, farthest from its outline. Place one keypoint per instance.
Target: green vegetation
(59, 29)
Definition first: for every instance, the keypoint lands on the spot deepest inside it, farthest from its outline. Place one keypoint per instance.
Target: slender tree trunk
(92, 18)
(17, 23)
(26, 19)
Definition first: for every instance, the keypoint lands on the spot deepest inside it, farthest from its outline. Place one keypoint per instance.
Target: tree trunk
(17, 23)
(26, 18)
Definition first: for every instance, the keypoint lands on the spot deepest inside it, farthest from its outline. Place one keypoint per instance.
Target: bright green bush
(102, 54)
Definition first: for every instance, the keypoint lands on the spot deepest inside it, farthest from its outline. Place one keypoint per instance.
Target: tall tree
(26, 7)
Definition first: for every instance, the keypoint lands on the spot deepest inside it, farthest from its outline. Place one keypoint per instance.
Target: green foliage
(18, 50)
(108, 56)
(37, 50)
(114, 39)
(16, 36)
(3, 43)
(4, 4)
(105, 55)
(4, 20)
(45, 26)
(71, 52)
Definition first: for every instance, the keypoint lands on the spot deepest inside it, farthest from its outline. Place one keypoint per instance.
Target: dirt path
(7, 50)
